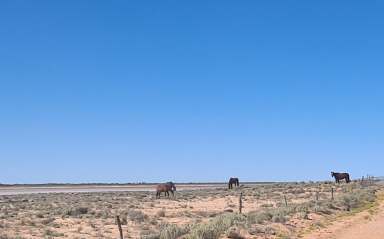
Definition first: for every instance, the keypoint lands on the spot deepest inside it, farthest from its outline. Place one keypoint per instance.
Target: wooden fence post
(119, 225)
(317, 196)
(332, 194)
(241, 203)
(285, 200)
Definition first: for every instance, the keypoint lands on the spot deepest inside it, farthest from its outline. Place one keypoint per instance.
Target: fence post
(241, 203)
(332, 194)
(119, 225)
(285, 200)
(317, 196)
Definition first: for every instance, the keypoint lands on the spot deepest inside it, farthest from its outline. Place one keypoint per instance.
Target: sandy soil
(368, 224)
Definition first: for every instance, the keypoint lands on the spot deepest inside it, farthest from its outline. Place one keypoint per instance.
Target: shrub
(234, 234)
(258, 217)
(215, 227)
(150, 236)
(77, 211)
(281, 214)
(136, 216)
(171, 231)
(357, 199)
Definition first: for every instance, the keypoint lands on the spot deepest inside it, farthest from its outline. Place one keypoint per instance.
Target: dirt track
(364, 225)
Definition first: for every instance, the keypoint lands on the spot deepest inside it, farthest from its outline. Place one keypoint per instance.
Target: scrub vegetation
(278, 210)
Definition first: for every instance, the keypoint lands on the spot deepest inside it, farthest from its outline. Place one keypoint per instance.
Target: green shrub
(215, 227)
(171, 231)
(258, 217)
(357, 199)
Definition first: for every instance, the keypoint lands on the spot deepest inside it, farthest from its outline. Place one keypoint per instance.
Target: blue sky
(129, 91)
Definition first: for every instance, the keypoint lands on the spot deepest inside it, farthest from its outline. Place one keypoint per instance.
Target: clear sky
(130, 91)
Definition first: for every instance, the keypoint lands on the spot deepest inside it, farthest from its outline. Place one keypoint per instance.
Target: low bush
(357, 198)
(215, 227)
(171, 231)
(77, 211)
(136, 215)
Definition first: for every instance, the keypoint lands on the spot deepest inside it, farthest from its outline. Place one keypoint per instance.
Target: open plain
(276, 210)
